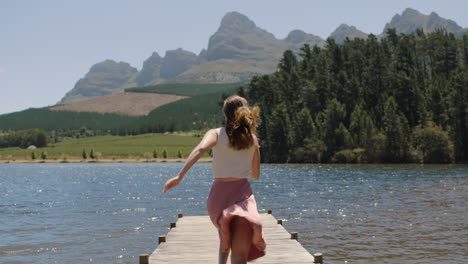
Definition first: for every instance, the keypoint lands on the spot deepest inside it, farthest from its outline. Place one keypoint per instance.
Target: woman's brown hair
(241, 122)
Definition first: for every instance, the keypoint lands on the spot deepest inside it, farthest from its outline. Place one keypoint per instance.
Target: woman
(231, 204)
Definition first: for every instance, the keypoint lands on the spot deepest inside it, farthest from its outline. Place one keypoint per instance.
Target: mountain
(297, 38)
(104, 78)
(238, 50)
(176, 62)
(411, 19)
(239, 38)
(344, 31)
(151, 71)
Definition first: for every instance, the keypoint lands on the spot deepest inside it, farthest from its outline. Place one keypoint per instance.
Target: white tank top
(228, 162)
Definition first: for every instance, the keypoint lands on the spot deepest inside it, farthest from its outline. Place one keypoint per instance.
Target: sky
(47, 46)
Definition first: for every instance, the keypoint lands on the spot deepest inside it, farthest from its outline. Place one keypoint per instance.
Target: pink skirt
(235, 198)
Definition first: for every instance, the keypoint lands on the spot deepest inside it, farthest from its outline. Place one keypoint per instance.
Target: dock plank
(195, 240)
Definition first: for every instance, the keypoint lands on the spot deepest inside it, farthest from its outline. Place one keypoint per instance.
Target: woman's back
(228, 162)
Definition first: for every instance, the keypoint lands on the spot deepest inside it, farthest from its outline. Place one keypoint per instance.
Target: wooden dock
(194, 239)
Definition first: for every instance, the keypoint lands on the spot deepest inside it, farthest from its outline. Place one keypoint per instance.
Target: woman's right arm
(208, 141)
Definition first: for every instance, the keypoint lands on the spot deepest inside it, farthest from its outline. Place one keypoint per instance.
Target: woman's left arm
(256, 161)
(208, 141)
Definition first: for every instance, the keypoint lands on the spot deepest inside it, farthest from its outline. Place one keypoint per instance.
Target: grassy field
(112, 147)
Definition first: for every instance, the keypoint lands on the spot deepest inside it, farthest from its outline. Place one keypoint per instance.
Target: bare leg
(223, 256)
(241, 240)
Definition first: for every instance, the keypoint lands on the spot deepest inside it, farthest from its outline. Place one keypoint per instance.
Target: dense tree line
(24, 139)
(195, 113)
(399, 99)
(43, 118)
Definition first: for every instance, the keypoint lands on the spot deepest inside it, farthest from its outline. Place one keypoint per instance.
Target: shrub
(311, 152)
(344, 156)
(432, 144)
(376, 150)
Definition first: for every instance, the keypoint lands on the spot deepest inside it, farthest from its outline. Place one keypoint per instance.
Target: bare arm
(208, 141)
(256, 162)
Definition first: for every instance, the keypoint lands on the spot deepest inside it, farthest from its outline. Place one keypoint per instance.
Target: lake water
(112, 213)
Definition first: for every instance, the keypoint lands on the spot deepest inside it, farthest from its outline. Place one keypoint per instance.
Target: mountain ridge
(238, 50)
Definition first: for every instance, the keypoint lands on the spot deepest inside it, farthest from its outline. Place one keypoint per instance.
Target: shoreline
(101, 160)
(182, 160)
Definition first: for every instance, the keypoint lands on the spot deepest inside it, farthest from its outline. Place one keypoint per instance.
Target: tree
(91, 154)
(458, 114)
(164, 154)
(303, 127)
(179, 154)
(433, 144)
(395, 128)
(334, 116)
(365, 98)
(361, 127)
(343, 138)
(376, 153)
(279, 135)
(83, 154)
(155, 154)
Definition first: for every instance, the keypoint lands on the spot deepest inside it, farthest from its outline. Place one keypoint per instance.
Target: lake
(112, 213)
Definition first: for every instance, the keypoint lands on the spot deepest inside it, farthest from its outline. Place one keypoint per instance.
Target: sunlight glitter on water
(353, 214)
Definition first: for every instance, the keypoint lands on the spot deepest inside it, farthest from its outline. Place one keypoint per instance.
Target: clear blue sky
(47, 45)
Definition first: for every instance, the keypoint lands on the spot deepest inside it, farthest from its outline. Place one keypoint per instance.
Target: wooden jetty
(194, 239)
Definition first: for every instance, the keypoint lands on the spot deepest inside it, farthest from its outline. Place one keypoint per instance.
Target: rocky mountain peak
(236, 51)
(434, 15)
(151, 70)
(410, 12)
(177, 61)
(344, 31)
(236, 22)
(411, 19)
(112, 66)
(296, 36)
(104, 78)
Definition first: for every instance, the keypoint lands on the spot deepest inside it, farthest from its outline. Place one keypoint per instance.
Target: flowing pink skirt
(228, 199)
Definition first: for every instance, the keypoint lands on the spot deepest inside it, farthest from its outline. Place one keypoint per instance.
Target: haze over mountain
(411, 19)
(344, 31)
(237, 51)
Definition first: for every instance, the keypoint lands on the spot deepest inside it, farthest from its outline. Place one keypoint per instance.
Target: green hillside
(200, 111)
(185, 89)
(44, 119)
(194, 113)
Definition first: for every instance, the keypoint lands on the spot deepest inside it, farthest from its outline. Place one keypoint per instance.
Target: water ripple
(353, 214)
